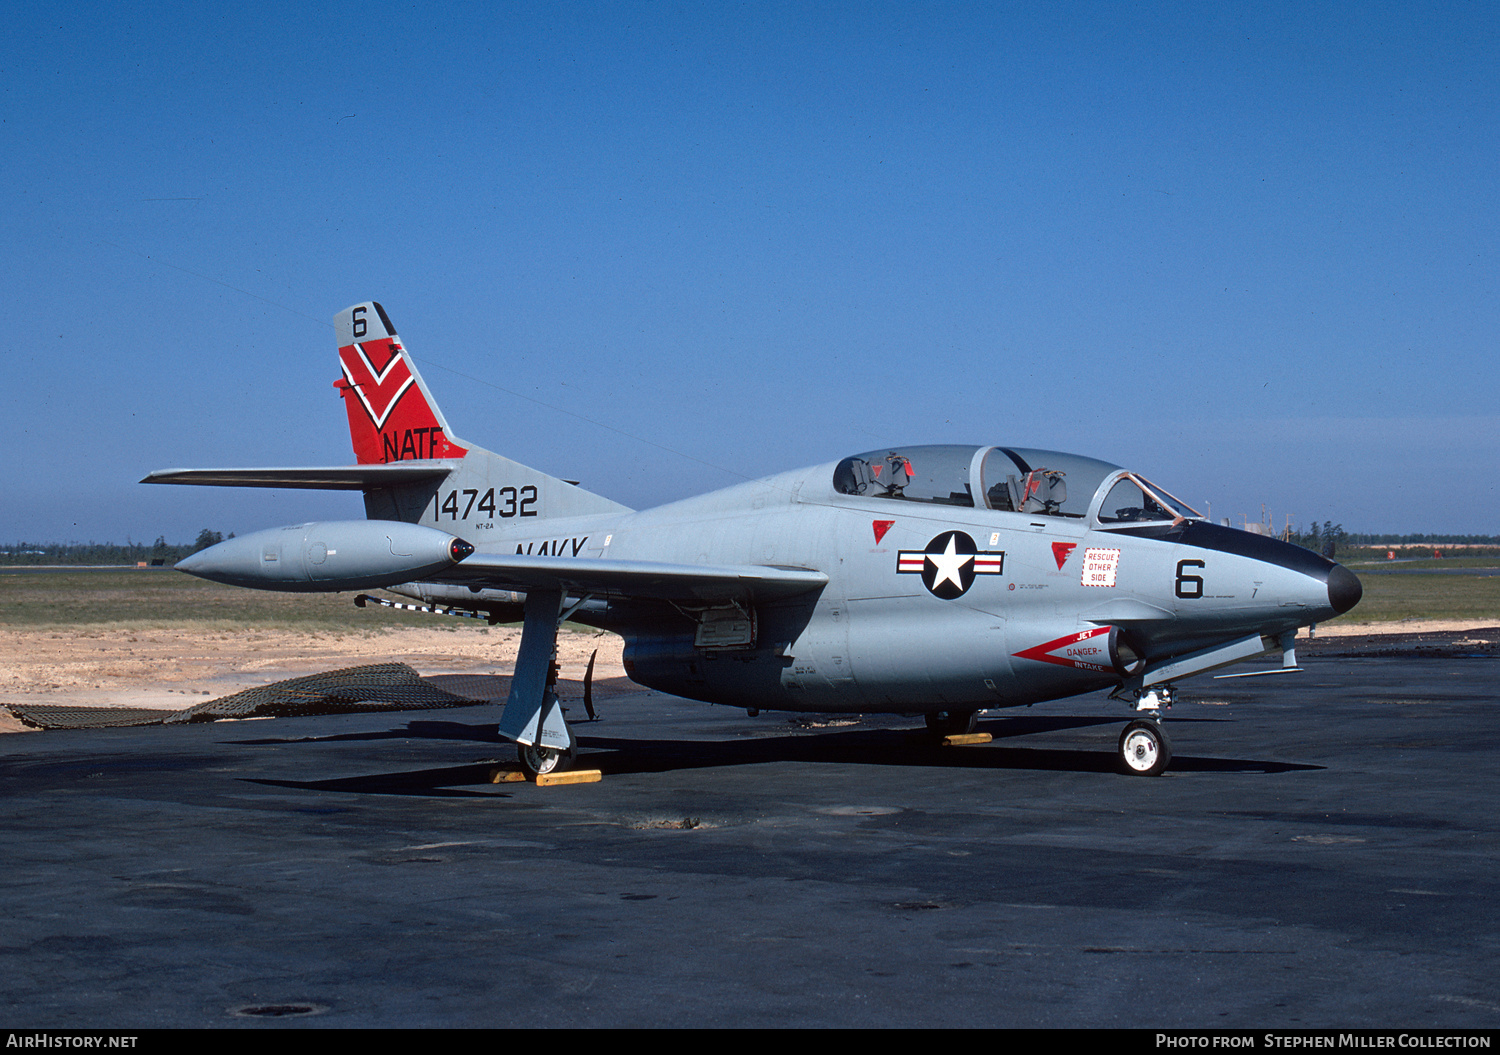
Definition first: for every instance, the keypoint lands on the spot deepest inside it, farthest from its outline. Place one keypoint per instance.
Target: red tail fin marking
(379, 388)
(390, 420)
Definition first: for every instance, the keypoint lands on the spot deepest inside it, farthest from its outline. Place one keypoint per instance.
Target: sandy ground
(107, 666)
(1405, 626)
(172, 668)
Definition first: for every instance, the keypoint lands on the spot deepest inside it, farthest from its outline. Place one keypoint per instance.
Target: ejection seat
(1041, 491)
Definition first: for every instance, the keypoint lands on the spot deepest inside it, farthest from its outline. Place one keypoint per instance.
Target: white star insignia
(948, 564)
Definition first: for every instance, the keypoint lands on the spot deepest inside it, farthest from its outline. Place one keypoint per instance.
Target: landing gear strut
(533, 718)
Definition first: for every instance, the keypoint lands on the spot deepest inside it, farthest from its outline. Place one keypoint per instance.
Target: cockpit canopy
(1009, 479)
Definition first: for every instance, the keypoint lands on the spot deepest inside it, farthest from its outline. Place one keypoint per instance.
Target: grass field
(166, 598)
(1449, 563)
(1394, 597)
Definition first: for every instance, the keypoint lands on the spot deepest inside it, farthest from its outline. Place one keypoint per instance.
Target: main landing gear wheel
(1144, 749)
(951, 723)
(538, 761)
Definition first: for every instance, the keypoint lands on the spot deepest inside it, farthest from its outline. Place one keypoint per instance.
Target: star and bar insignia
(949, 563)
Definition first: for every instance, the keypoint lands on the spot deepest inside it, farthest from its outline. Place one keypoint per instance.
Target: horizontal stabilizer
(331, 478)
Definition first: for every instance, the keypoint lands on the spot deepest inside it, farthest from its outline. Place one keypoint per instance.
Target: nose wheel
(1144, 748)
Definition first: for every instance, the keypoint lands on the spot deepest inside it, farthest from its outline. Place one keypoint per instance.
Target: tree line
(131, 553)
(1318, 536)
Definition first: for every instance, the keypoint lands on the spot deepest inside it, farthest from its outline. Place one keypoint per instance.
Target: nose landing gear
(1145, 750)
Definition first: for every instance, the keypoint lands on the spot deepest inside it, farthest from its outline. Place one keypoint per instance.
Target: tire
(1144, 749)
(951, 723)
(539, 761)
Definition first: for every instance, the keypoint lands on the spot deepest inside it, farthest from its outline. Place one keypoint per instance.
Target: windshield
(1133, 500)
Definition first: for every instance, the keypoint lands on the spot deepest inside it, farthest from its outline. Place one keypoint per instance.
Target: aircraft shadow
(443, 782)
(483, 733)
(900, 748)
(903, 748)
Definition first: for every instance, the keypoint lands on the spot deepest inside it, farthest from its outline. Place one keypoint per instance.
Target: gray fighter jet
(937, 580)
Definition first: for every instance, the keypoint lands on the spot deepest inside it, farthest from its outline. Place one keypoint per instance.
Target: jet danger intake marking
(949, 563)
(1081, 651)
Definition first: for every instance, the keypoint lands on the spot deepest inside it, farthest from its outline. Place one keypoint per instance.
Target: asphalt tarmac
(1322, 853)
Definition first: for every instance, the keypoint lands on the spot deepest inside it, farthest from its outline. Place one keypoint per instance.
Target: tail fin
(393, 418)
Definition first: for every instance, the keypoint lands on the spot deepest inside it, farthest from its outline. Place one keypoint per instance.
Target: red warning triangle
(1061, 551)
(881, 527)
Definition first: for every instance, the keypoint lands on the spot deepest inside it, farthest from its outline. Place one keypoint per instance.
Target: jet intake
(329, 557)
(1125, 658)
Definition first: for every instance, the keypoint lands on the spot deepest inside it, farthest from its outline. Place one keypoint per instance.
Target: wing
(623, 579)
(330, 478)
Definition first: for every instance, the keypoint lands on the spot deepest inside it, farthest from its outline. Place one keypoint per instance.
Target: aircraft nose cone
(1344, 589)
(193, 563)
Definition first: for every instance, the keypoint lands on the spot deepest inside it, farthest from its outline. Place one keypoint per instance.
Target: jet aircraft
(942, 580)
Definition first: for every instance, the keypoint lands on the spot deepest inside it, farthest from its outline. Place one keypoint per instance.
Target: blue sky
(1249, 250)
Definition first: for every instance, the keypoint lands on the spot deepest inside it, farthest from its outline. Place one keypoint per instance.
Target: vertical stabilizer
(393, 419)
(392, 416)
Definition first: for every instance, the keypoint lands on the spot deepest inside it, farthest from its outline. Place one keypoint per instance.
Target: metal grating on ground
(51, 716)
(377, 687)
(485, 688)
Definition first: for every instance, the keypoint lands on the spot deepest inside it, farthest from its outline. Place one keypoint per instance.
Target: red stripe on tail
(389, 417)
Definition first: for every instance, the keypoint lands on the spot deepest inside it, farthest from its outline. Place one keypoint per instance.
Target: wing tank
(329, 557)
